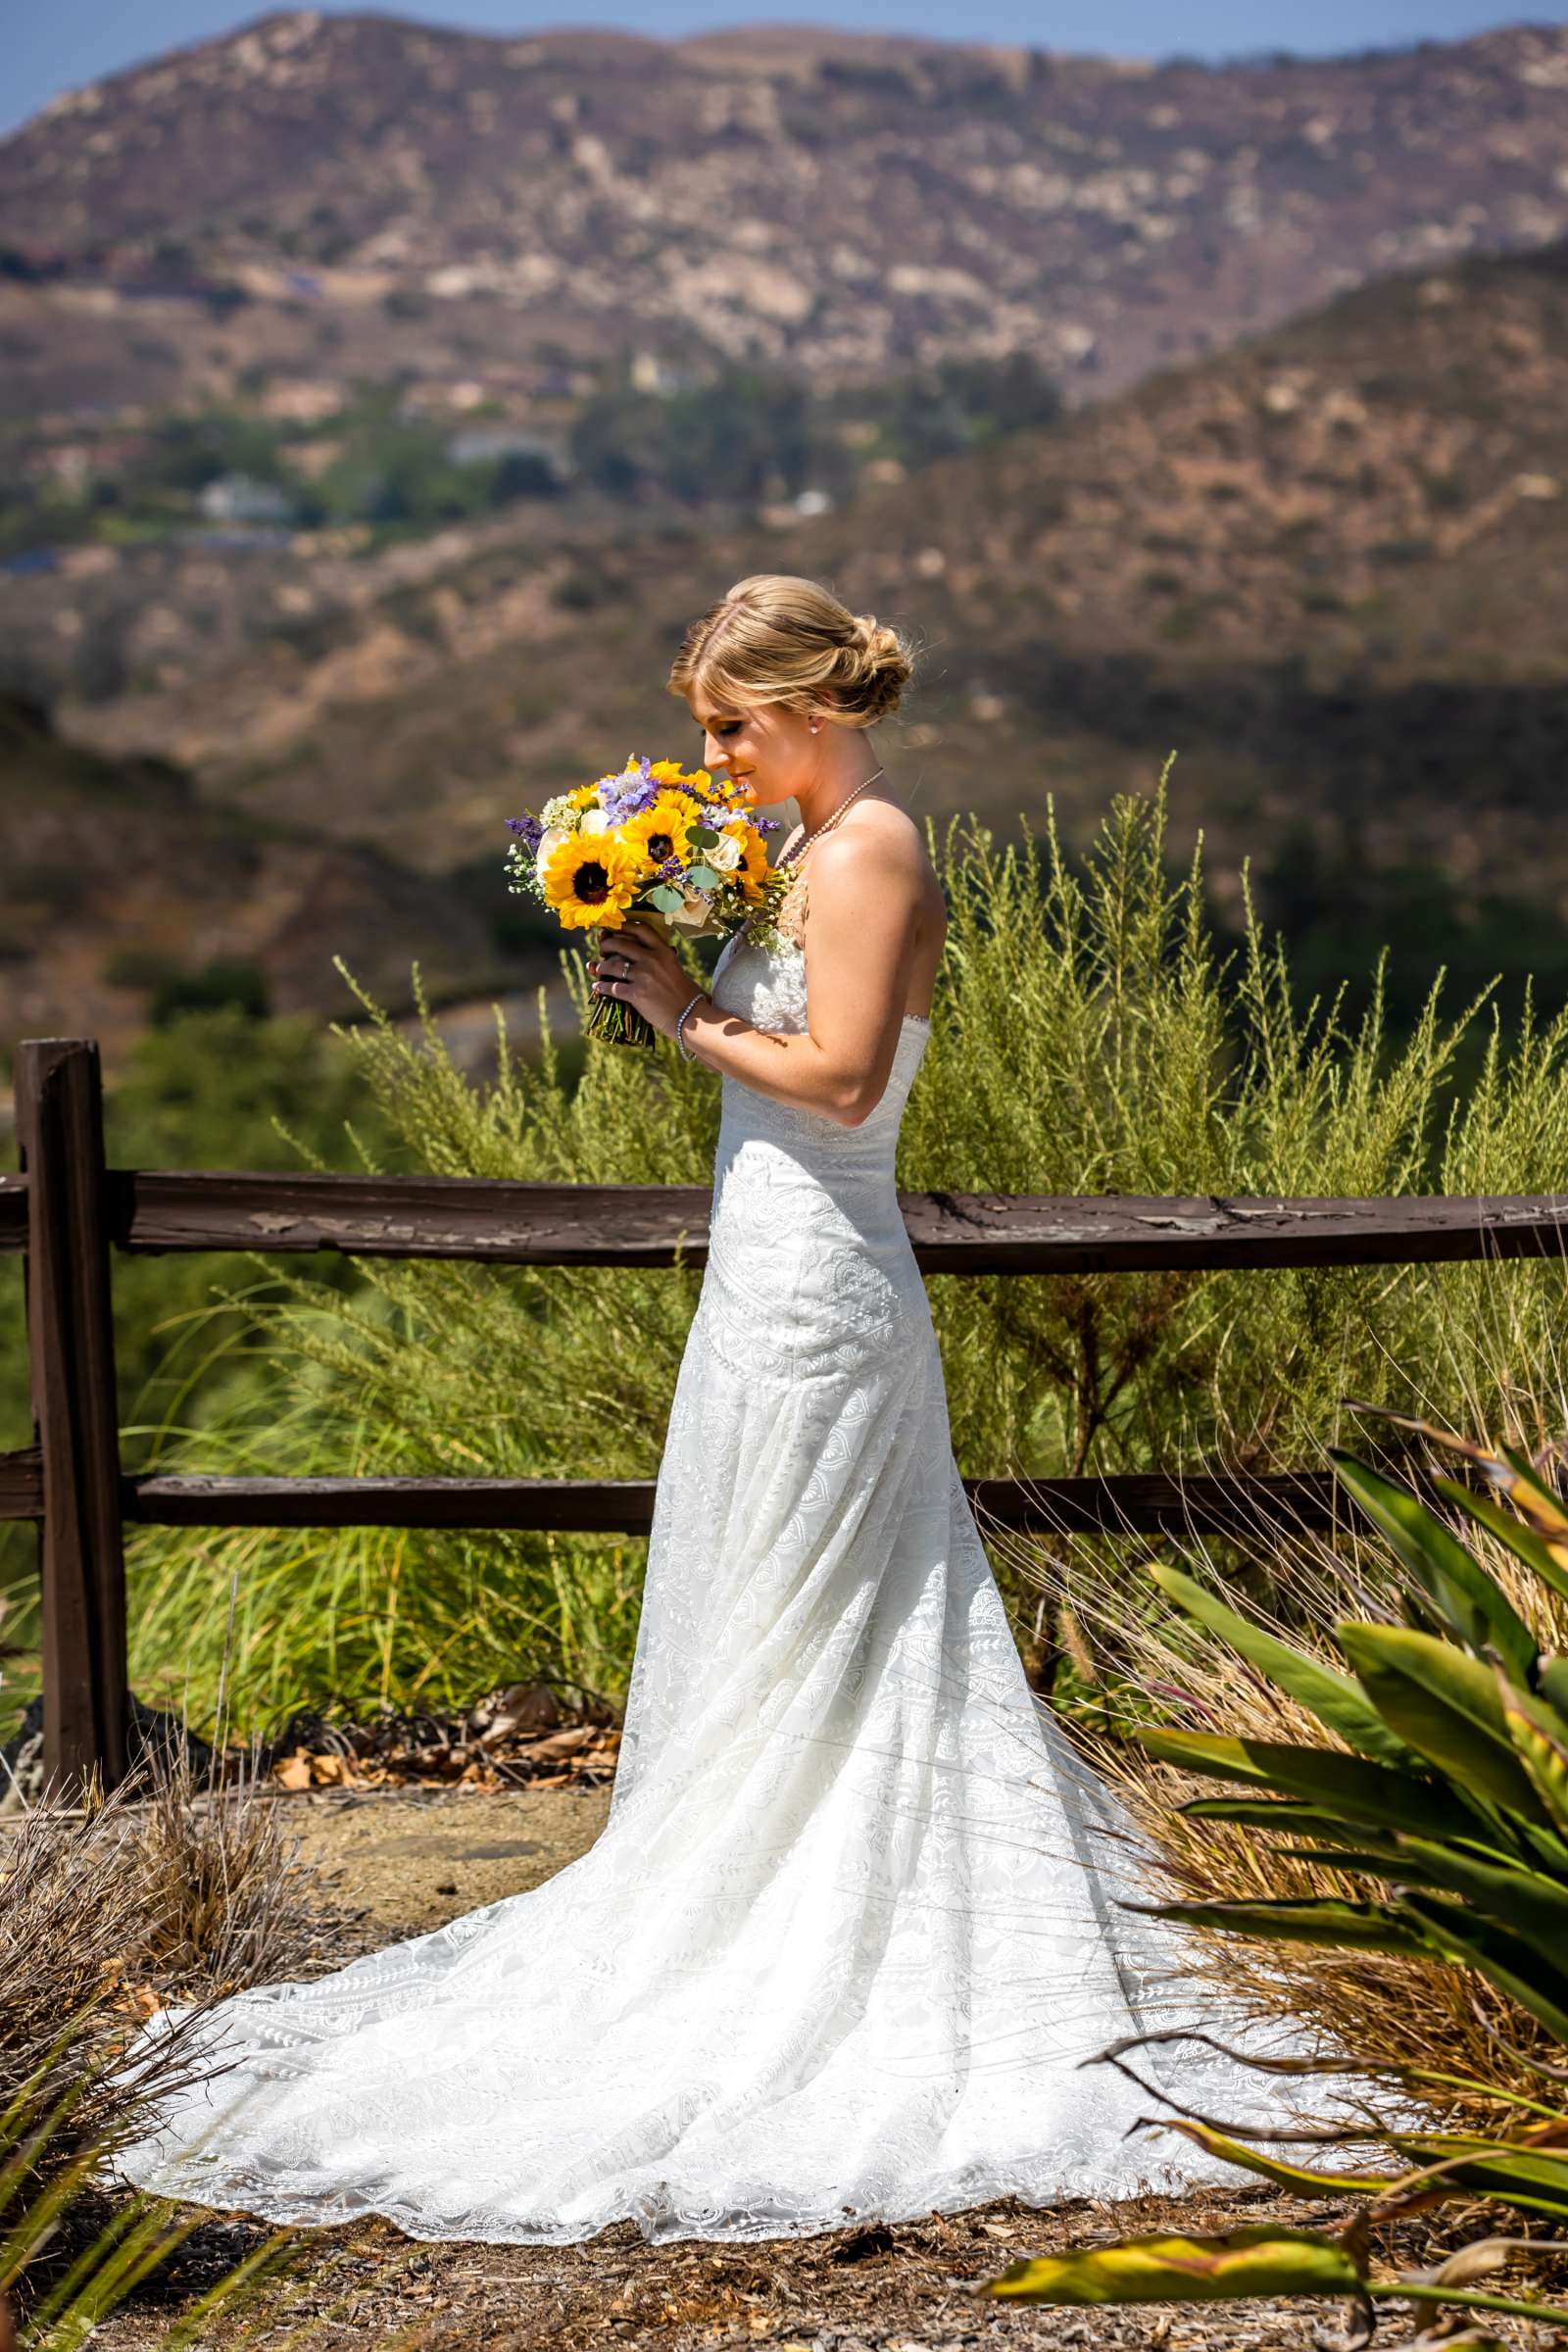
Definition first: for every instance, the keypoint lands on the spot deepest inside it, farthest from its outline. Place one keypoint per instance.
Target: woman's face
(773, 750)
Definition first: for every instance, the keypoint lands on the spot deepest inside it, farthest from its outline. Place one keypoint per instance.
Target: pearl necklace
(793, 858)
(807, 838)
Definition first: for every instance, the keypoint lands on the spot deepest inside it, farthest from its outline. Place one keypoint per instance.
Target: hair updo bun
(779, 639)
(884, 669)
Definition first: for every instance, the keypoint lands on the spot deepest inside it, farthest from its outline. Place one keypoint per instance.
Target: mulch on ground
(907, 2288)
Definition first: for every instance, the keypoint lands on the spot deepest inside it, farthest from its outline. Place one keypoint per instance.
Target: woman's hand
(636, 967)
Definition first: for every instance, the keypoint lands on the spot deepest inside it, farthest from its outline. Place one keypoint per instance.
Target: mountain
(1326, 567)
(120, 884)
(318, 199)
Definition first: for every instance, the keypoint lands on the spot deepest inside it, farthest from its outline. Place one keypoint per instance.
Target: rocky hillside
(1327, 569)
(120, 884)
(323, 198)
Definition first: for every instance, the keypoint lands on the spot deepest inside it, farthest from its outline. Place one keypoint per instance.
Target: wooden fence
(66, 1210)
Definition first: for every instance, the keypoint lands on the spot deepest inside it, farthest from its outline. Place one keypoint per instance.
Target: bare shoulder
(879, 831)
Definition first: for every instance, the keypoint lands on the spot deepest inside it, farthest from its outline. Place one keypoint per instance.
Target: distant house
(483, 444)
(241, 498)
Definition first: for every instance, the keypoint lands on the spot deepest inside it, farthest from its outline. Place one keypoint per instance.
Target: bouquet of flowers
(669, 845)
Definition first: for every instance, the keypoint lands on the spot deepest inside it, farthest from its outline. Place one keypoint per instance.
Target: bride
(851, 1929)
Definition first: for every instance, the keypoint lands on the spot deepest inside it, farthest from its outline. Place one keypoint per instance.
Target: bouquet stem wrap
(613, 1020)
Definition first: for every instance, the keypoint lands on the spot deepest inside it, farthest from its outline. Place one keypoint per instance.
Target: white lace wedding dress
(852, 1924)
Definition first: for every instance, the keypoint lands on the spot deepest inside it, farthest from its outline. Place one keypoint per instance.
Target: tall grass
(1088, 1036)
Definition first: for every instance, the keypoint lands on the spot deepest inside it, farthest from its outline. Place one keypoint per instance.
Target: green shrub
(1086, 1038)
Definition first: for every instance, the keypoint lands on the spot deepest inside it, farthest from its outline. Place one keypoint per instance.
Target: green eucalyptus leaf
(666, 898)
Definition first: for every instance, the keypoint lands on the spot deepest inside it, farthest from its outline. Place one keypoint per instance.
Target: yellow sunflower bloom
(671, 772)
(585, 797)
(753, 866)
(659, 832)
(590, 879)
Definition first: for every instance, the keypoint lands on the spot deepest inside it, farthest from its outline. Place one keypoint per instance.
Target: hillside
(1326, 567)
(320, 199)
(120, 883)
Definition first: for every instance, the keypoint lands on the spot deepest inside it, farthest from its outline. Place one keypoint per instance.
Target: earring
(815, 723)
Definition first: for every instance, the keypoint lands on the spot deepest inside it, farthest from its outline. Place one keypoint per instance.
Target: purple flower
(528, 829)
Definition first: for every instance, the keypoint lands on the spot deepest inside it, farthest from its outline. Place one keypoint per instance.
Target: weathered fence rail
(67, 1211)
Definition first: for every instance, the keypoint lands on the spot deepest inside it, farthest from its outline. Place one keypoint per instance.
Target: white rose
(693, 912)
(550, 839)
(596, 820)
(724, 854)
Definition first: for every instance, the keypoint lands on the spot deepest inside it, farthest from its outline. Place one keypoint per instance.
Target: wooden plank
(21, 1484)
(1138, 1506)
(952, 1233)
(60, 1138)
(13, 1213)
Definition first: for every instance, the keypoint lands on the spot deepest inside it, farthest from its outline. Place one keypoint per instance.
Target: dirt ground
(413, 1859)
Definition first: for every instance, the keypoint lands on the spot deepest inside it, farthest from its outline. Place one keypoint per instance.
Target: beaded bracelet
(679, 1040)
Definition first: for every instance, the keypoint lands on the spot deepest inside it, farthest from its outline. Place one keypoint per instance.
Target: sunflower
(753, 867)
(659, 832)
(671, 772)
(590, 879)
(586, 796)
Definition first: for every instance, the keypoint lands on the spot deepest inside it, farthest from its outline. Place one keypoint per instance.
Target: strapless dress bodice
(766, 986)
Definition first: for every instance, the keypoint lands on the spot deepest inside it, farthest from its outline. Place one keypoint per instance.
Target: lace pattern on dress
(854, 1920)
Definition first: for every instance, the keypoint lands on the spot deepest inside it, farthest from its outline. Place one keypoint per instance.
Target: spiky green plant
(1436, 1802)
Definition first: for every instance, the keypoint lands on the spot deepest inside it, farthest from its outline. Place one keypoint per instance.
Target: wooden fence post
(71, 1346)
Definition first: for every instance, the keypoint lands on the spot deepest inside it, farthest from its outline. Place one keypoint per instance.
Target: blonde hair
(775, 638)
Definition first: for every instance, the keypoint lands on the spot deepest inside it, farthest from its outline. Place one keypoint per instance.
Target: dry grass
(106, 1909)
(1138, 1658)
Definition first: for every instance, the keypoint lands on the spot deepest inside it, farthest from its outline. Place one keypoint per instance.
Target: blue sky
(53, 45)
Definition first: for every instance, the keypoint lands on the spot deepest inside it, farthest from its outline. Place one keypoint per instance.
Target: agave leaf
(1551, 1681)
(1298, 2178)
(1334, 1699)
(1446, 1704)
(1530, 1492)
(1503, 1958)
(1472, 1603)
(1549, 1560)
(1445, 1438)
(1391, 1862)
(1274, 1813)
(1497, 2168)
(1530, 1907)
(1347, 1787)
(1323, 1919)
(1539, 1733)
(1262, 2259)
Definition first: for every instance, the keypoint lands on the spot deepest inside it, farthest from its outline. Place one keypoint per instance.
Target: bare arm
(862, 932)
